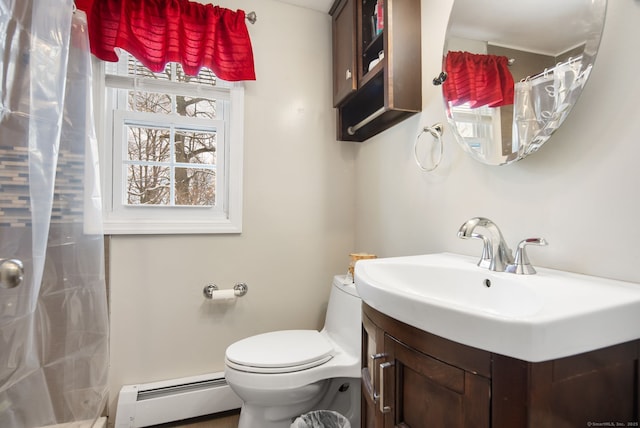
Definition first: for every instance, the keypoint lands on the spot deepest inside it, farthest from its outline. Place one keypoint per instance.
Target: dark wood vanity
(414, 379)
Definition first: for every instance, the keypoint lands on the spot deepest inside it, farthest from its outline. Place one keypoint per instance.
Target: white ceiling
(319, 5)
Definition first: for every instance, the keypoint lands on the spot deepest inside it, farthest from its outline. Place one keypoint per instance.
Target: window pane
(195, 187)
(153, 102)
(148, 185)
(196, 107)
(148, 144)
(195, 147)
(149, 102)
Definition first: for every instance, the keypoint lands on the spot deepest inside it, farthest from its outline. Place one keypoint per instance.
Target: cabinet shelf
(374, 47)
(376, 72)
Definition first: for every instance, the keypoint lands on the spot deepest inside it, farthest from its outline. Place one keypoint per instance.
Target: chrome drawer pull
(383, 408)
(374, 357)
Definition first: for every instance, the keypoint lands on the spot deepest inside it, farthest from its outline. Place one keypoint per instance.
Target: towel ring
(436, 132)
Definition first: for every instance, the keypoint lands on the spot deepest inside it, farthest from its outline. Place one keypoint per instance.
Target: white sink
(549, 315)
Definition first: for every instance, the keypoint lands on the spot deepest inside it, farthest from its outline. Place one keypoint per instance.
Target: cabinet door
(418, 391)
(372, 355)
(344, 50)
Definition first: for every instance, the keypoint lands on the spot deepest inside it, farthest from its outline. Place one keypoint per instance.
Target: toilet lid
(280, 351)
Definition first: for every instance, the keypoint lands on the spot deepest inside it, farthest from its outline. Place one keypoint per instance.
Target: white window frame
(225, 217)
(478, 120)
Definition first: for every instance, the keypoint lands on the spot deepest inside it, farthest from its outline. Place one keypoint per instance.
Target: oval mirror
(514, 69)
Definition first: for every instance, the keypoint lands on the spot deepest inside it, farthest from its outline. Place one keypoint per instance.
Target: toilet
(282, 374)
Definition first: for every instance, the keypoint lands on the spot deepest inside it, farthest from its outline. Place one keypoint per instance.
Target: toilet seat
(280, 352)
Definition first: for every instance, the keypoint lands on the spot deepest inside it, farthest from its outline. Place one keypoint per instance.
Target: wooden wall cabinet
(345, 82)
(377, 77)
(414, 379)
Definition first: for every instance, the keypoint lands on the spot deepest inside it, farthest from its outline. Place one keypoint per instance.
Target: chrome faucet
(496, 254)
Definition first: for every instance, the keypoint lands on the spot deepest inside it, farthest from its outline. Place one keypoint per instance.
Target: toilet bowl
(282, 374)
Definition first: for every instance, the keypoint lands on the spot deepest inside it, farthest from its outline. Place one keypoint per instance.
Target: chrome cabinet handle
(383, 408)
(373, 358)
(11, 273)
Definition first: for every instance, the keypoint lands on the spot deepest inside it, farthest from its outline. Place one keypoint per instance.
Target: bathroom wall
(310, 200)
(580, 191)
(298, 224)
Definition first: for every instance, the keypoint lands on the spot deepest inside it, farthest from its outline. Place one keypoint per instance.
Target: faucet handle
(521, 264)
(485, 259)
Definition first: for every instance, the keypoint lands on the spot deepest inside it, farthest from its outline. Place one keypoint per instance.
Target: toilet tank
(344, 316)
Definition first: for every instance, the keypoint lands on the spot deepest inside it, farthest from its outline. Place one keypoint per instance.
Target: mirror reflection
(514, 70)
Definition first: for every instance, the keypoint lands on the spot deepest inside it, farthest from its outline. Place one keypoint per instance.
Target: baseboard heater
(173, 400)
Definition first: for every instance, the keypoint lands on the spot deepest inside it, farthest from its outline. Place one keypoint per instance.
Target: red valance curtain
(160, 31)
(478, 80)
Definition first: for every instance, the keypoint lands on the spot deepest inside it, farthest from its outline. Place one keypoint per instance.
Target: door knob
(11, 273)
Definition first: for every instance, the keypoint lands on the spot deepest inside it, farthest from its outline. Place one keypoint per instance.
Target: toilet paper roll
(223, 295)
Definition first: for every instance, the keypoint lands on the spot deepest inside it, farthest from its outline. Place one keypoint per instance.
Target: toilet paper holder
(240, 289)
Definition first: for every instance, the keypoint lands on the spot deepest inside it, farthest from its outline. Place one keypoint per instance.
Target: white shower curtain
(53, 327)
(542, 103)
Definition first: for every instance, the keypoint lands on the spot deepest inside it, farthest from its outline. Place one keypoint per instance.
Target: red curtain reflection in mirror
(160, 31)
(480, 80)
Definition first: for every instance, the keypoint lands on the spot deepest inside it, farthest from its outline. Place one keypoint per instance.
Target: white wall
(298, 221)
(580, 191)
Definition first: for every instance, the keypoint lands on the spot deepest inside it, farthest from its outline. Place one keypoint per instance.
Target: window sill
(153, 227)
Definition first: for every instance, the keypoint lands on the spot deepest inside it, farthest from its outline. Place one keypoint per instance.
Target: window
(476, 125)
(172, 162)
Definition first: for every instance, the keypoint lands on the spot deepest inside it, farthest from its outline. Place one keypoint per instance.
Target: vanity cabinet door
(418, 391)
(372, 355)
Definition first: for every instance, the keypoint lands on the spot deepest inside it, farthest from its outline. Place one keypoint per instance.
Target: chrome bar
(546, 71)
(352, 129)
(239, 290)
(384, 408)
(373, 358)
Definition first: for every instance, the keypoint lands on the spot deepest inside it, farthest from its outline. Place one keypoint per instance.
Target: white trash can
(321, 419)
